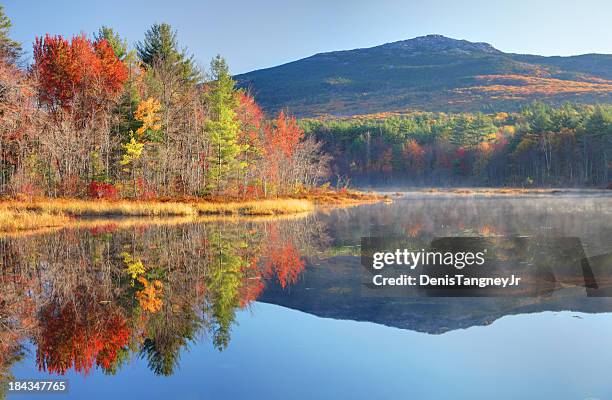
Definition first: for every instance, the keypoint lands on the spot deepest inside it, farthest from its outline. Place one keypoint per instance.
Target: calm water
(272, 308)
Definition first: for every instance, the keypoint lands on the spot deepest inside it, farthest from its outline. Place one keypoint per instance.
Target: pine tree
(10, 50)
(223, 127)
(160, 45)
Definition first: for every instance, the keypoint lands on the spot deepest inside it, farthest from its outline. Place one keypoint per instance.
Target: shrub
(101, 190)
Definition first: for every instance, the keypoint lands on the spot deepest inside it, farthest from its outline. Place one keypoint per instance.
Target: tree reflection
(96, 298)
(17, 312)
(166, 335)
(79, 334)
(283, 259)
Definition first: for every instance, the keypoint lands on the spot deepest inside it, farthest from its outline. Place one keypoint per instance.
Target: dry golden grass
(102, 207)
(256, 207)
(20, 220)
(40, 214)
(190, 207)
(344, 197)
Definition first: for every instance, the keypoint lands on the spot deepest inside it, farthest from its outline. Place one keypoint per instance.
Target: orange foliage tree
(282, 139)
(252, 121)
(79, 69)
(414, 156)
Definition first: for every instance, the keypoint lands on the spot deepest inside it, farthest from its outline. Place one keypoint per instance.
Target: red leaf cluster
(101, 190)
(68, 70)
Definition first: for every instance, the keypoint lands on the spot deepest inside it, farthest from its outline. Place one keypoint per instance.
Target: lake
(237, 308)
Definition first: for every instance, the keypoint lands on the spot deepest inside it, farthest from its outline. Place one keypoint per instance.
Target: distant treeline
(540, 146)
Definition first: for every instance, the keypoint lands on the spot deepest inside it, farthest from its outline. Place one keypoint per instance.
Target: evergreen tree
(538, 116)
(468, 131)
(10, 50)
(161, 45)
(223, 127)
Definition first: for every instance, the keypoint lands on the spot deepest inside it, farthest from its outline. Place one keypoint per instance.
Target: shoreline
(40, 213)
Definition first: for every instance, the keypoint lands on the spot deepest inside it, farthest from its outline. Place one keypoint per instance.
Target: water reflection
(94, 298)
(331, 285)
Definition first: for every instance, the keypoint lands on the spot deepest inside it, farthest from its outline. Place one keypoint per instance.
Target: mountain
(432, 73)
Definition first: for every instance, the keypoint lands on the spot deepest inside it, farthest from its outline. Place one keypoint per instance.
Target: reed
(157, 208)
(258, 207)
(18, 215)
(20, 220)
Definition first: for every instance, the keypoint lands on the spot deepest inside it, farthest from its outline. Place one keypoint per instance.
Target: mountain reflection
(90, 298)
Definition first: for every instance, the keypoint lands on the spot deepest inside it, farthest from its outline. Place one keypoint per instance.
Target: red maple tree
(76, 69)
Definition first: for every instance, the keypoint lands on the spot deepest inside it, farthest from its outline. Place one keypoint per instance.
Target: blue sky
(263, 33)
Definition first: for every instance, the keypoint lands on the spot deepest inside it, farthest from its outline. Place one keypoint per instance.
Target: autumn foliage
(111, 123)
(76, 69)
(252, 119)
(523, 85)
(101, 190)
(283, 136)
(283, 260)
(540, 145)
(80, 335)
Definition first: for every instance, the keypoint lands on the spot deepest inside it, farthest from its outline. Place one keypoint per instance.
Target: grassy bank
(20, 220)
(46, 213)
(343, 197)
(87, 208)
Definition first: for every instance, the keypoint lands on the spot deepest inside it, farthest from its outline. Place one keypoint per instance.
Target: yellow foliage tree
(133, 151)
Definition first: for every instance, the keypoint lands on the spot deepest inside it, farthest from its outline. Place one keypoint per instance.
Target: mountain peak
(440, 43)
(431, 73)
